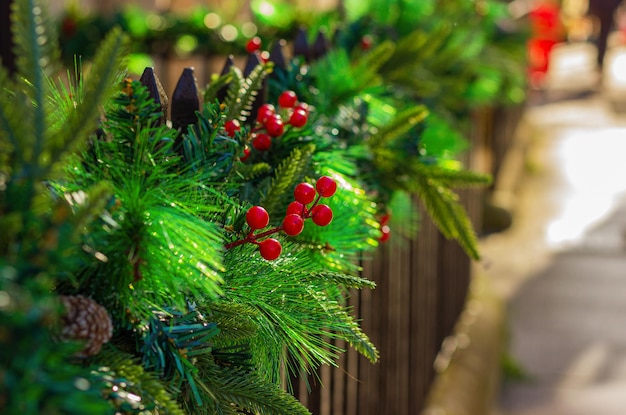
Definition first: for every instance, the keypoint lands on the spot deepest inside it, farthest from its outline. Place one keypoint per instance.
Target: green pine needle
(242, 91)
(287, 175)
(444, 208)
(99, 84)
(229, 390)
(127, 381)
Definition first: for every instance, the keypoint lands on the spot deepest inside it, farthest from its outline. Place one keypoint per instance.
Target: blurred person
(604, 12)
(546, 31)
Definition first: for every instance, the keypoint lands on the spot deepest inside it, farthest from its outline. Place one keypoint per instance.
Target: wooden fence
(421, 290)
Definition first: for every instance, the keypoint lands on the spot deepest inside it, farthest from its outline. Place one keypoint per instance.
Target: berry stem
(316, 201)
(252, 238)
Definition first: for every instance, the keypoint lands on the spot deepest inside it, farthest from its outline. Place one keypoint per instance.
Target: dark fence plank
(424, 304)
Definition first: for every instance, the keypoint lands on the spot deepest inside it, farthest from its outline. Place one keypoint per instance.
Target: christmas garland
(184, 266)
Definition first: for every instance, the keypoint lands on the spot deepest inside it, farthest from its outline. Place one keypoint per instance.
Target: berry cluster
(306, 205)
(270, 122)
(384, 228)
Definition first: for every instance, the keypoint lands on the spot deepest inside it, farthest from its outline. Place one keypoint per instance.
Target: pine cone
(88, 321)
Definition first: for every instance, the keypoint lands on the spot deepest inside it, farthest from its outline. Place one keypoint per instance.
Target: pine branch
(453, 177)
(345, 280)
(287, 175)
(207, 151)
(345, 328)
(295, 309)
(398, 127)
(231, 390)
(234, 87)
(127, 378)
(371, 64)
(409, 64)
(37, 54)
(215, 86)
(98, 86)
(447, 213)
(248, 93)
(251, 172)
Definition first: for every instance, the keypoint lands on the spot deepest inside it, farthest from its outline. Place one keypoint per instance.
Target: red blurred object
(546, 31)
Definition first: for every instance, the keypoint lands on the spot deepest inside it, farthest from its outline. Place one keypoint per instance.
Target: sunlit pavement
(562, 265)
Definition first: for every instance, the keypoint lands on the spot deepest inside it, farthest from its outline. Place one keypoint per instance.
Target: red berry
(275, 126)
(386, 233)
(385, 219)
(270, 249)
(293, 224)
(287, 99)
(231, 127)
(326, 186)
(296, 208)
(246, 154)
(304, 193)
(262, 142)
(264, 113)
(366, 42)
(253, 44)
(257, 217)
(298, 118)
(322, 214)
(302, 106)
(68, 26)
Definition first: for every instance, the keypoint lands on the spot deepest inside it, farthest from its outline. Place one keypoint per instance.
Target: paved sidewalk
(562, 265)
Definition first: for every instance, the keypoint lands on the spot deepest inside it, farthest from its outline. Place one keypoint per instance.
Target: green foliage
(39, 126)
(36, 376)
(291, 171)
(130, 388)
(242, 92)
(104, 204)
(156, 228)
(235, 391)
(295, 304)
(433, 186)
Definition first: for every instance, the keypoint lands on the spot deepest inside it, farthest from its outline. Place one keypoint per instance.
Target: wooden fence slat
(338, 385)
(320, 47)
(185, 101)
(223, 91)
(277, 54)
(301, 44)
(424, 304)
(370, 393)
(156, 91)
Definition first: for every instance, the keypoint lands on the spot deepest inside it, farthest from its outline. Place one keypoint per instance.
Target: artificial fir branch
(239, 102)
(453, 177)
(130, 386)
(97, 87)
(397, 128)
(216, 85)
(447, 213)
(291, 170)
(230, 390)
(37, 54)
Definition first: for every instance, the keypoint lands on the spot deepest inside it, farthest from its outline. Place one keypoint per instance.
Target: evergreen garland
(102, 201)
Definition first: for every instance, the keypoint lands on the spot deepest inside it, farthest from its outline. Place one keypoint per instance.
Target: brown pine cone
(88, 321)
